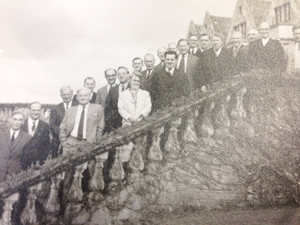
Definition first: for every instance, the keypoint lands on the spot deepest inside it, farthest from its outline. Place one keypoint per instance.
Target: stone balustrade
(204, 165)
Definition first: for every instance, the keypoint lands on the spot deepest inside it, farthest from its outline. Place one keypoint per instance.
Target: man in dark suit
(56, 116)
(194, 42)
(161, 55)
(187, 64)
(39, 146)
(13, 142)
(216, 63)
(168, 84)
(266, 53)
(113, 119)
(110, 75)
(240, 53)
(89, 83)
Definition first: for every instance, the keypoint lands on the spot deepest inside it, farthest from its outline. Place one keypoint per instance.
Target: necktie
(33, 127)
(149, 71)
(13, 137)
(181, 67)
(67, 105)
(80, 127)
(123, 88)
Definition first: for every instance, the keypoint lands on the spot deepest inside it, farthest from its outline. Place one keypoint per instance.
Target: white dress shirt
(121, 86)
(30, 124)
(218, 52)
(14, 131)
(171, 71)
(74, 132)
(265, 41)
(108, 86)
(193, 50)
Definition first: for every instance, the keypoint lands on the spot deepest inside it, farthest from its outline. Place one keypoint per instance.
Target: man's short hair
(204, 34)
(17, 112)
(65, 87)
(108, 70)
(29, 106)
(219, 35)
(123, 67)
(193, 35)
(83, 89)
(295, 27)
(149, 54)
(89, 78)
(171, 53)
(137, 58)
(181, 40)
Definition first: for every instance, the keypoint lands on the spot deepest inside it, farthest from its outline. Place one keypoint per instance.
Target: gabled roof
(200, 29)
(259, 10)
(221, 24)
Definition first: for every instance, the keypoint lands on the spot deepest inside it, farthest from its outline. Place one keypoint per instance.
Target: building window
(287, 12)
(282, 13)
(241, 28)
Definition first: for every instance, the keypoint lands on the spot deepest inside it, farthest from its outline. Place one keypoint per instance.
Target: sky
(45, 44)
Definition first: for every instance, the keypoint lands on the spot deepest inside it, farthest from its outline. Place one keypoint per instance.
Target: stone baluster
(222, 121)
(52, 205)
(190, 135)
(206, 128)
(172, 145)
(96, 183)
(136, 162)
(117, 172)
(29, 215)
(7, 209)
(75, 193)
(238, 112)
(154, 153)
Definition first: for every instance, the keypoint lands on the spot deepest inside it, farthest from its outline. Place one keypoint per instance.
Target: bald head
(264, 30)
(252, 35)
(161, 53)
(237, 39)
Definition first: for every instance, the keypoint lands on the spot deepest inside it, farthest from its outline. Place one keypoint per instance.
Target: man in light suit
(13, 142)
(266, 53)
(187, 64)
(89, 83)
(293, 53)
(146, 75)
(56, 116)
(81, 125)
(39, 146)
(110, 75)
(161, 55)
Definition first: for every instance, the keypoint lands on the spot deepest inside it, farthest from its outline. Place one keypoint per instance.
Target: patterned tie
(13, 137)
(80, 127)
(33, 127)
(181, 67)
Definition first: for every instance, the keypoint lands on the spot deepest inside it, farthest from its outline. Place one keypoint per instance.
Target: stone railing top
(123, 135)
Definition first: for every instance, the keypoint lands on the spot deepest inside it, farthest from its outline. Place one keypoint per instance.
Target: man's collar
(170, 71)
(86, 106)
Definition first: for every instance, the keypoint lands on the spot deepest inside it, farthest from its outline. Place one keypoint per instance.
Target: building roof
(221, 24)
(259, 10)
(199, 29)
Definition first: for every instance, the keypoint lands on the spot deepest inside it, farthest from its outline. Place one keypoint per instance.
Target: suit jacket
(101, 96)
(290, 57)
(56, 116)
(192, 71)
(240, 59)
(197, 54)
(270, 56)
(129, 108)
(94, 126)
(11, 155)
(215, 68)
(146, 80)
(166, 88)
(75, 101)
(158, 67)
(113, 119)
(39, 146)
